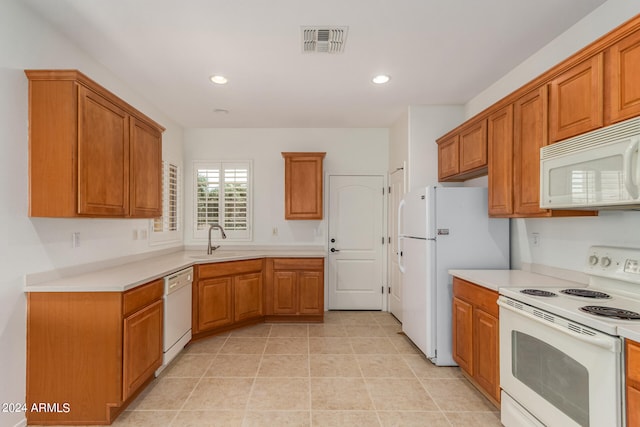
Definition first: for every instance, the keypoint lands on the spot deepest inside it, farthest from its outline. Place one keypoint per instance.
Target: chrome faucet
(210, 248)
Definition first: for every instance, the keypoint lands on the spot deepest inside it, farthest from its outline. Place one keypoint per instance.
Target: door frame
(385, 215)
(402, 169)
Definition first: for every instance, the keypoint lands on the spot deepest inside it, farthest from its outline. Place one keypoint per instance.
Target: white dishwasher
(177, 314)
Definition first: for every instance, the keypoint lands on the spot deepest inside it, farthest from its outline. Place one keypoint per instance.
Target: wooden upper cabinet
(90, 153)
(576, 99)
(303, 185)
(623, 85)
(500, 144)
(463, 154)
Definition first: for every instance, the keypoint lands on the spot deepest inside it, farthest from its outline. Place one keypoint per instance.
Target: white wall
(39, 244)
(348, 151)
(564, 241)
(399, 142)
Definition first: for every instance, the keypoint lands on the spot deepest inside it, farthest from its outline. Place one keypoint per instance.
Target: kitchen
(35, 245)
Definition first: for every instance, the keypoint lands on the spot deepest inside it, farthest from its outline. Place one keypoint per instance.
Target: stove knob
(593, 260)
(605, 261)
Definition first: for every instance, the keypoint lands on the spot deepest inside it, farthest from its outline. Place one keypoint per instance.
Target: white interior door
(396, 186)
(356, 242)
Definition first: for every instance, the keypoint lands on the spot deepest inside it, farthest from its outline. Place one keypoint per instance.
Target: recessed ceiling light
(219, 80)
(381, 79)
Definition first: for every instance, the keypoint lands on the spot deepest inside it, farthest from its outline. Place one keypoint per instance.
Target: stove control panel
(614, 263)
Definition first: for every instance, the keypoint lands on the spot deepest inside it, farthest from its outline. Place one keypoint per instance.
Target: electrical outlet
(143, 234)
(535, 240)
(274, 231)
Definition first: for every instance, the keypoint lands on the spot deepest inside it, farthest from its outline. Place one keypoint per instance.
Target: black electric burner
(611, 312)
(538, 293)
(586, 293)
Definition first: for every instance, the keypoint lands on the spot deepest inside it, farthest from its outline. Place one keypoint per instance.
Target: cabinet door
(623, 85)
(145, 170)
(473, 147)
(103, 156)
(486, 352)
(247, 296)
(576, 100)
(142, 347)
(285, 292)
(311, 292)
(448, 157)
(500, 141)
(214, 303)
(530, 134)
(303, 185)
(633, 383)
(463, 334)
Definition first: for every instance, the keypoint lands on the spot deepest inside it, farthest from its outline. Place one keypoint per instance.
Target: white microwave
(596, 170)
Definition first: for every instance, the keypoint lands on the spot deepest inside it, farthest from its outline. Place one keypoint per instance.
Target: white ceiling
(436, 51)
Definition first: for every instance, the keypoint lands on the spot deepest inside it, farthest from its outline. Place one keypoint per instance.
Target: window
(223, 196)
(167, 227)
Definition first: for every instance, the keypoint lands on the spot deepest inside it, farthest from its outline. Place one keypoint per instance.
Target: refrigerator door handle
(399, 221)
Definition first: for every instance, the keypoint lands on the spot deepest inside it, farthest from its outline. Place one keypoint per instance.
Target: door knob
(333, 240)
(335, 250)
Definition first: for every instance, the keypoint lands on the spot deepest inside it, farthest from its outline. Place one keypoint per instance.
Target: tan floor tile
(344, 418)
(280, 394)
(373, 346)
(220, 394)
(259, 330)
(340, 394)
(145, 419)
(474, 419)
(400, 395)
(365, 331)
(208, 419)
(332, 317)
(206, 345)
(404, 345)
(234, 365)
(456, 395)
(279, 330)
(188, 365)
(284, 365)
(330, 345)
(357, 318)
(385, 319)
(278, 418)
(423, 368)
(327, 330)
(413, 419)
(392, 331)
(384, 365)
(334, 365)
(244, 345)
(164, 394)
(287, 346)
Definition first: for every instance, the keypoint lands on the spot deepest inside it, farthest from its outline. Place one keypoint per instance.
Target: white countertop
(496, 279)
(631, 332)
(129, 275)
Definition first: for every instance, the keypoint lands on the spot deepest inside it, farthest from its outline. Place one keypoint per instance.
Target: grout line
(255, 377)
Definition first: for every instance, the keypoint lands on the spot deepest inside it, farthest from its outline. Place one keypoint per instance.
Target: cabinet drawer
(298, 264)
(143, 295)
(479, 296)
(219, 269)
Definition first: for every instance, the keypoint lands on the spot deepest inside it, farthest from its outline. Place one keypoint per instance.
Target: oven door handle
(612, 345)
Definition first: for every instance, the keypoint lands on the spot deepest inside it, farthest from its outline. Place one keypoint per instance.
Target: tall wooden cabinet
(500, 144)
(90, 153)
(92, 350)
(303, 185)
(476, 346)
(633, 383)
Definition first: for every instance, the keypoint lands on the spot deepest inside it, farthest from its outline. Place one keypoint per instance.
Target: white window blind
(223, 197)
(167, 226)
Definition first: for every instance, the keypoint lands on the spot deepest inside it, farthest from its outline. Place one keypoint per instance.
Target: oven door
(561, 372)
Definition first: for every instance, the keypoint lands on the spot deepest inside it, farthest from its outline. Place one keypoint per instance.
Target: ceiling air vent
(323, 39)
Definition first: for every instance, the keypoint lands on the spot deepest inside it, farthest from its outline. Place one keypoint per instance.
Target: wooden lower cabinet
(295, 289)
(476, 336)
(247, 296)
(632, 349)
(214, 303)
(93, 351)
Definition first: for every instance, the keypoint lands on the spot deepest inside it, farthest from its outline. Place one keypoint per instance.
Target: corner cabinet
(476, 336)
(632, 350)
(295, 289)
(92, 350)
(90, 153)
(303, 185)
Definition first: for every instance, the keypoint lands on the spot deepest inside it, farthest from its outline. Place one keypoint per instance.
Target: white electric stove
(560, 350)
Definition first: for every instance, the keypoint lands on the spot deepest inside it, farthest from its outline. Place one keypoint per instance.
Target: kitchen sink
(218, 254)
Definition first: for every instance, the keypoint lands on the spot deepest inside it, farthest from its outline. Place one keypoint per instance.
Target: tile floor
(353, 370)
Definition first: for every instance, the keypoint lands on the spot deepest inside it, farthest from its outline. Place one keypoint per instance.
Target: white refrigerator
(442, 228)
